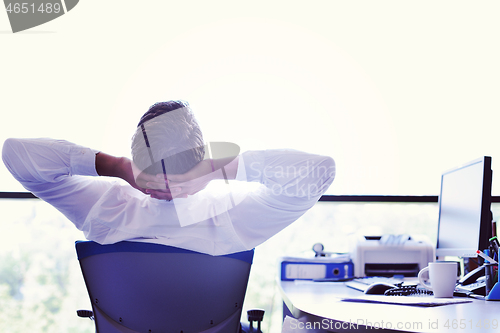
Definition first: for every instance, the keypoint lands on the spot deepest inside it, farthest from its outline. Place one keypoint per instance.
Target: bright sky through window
(396, 92)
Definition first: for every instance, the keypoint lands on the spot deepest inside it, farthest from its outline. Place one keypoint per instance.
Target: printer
(390, 255)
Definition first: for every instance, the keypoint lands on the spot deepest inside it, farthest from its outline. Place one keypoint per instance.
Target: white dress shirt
(218, 220)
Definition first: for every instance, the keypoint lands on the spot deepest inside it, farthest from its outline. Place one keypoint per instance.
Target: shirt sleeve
(292, 182)
(60, 173)
(289, 174)
(54, 171)
(38, 161)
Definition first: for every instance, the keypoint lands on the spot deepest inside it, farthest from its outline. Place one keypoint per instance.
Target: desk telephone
(473, 283)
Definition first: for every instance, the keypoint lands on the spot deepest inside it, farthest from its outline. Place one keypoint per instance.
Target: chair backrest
(145, 287)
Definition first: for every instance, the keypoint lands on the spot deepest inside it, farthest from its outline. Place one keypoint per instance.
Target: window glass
(396, 92)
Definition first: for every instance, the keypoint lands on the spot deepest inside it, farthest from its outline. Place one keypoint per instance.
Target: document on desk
(426, 301)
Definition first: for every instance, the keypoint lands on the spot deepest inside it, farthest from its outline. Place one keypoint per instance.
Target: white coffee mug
(443, 278)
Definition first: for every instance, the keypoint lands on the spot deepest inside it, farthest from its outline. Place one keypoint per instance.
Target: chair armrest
(85, 314)
(253, 315)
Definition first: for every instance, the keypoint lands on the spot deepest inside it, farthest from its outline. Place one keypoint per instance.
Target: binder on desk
(318, 268)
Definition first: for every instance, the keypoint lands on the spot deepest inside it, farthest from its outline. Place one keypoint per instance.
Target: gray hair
(168, 139)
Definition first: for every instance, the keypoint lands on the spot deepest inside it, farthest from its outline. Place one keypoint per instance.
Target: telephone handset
(472, 276)
(474, 282)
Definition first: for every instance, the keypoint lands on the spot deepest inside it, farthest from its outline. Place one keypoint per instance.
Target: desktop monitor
(464, 209)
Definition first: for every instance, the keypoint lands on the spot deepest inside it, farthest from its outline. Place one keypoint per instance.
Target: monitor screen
(464, 209)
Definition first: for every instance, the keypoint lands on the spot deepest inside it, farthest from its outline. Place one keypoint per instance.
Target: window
(396, 93)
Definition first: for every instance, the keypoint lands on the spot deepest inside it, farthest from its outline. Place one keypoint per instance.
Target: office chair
(144, 287)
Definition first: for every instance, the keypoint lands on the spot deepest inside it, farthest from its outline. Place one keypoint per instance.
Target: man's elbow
(327, 174)
(327, 166)
(10, 153)
(8, 150)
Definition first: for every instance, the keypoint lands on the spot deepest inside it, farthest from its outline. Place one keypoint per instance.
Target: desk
(320, 302)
